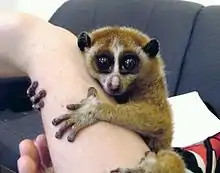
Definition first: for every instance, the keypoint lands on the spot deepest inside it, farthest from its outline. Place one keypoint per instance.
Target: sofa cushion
(201, 70)
(14, 127)
(13, 94)
(168, 20)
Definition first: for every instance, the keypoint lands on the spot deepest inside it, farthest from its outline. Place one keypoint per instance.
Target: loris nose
(114, 84)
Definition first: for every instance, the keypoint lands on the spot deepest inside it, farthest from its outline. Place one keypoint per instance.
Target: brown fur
(128, 36)
(147, 111)
(149, 101)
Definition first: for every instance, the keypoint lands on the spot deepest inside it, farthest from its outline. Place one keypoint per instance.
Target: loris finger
(38, 105)
(39, 96)
(127, 170)
(78, 126)
(73, 107)
(60, 119)
(32, 89)
(92, 92)
(64, 127)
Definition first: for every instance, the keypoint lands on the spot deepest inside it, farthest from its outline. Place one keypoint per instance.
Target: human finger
(42, 147)
(27, 148)
(27, 165)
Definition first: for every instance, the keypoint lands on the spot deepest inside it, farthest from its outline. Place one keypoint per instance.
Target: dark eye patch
(104, 62)
(129, 63)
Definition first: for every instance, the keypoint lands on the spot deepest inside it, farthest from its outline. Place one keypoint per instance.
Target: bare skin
(34, 156)
(53, 50)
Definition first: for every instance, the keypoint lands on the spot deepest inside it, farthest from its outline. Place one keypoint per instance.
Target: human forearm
(9, 32)
(49, 55)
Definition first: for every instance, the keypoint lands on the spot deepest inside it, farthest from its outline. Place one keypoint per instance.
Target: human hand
(34, 156)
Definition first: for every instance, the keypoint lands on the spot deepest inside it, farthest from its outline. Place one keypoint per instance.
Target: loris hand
(83, 115)
(34, 156)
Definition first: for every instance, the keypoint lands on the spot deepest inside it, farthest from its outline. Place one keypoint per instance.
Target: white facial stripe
(113, 77)
(104, 79)
(140, 52)
(94, 49)
(116, 49)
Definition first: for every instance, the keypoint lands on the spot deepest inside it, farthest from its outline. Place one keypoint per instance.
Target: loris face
(115, 56)
(114, 68)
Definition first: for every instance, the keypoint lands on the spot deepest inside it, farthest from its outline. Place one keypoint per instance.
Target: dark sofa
(190, 45)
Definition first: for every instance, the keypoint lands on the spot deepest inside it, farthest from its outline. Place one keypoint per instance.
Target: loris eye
(104, 62)
(129, 62)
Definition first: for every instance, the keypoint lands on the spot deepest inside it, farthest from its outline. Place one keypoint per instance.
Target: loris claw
(83, 115)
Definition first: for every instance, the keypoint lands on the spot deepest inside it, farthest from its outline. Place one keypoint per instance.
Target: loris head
(117, 56)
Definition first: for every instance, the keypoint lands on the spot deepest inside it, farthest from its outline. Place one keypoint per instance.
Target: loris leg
(36, 99)
(165, 161)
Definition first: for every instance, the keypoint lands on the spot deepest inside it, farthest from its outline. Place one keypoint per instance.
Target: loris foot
(36, 99)
(83, 115)
(145, 165)
(165, 161)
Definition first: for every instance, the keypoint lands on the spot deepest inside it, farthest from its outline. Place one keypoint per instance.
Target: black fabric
(4, 169)
(13, 94)
(170, 21)
(15, 124)
(209, 154)
(211, 109)
(217, 170)
(189, 159)
(201, 70)
(15, 127)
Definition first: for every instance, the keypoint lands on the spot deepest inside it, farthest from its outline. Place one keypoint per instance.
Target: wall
(45, 8)
(41, 8)
(207, 2)
(7, 4)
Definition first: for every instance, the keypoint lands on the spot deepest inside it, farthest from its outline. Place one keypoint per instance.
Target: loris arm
(151, 121)
(142, 117)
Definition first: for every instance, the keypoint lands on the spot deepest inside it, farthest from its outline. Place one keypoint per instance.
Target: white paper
(193, 122)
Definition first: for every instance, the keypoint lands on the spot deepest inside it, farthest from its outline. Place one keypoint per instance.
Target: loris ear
(84, 41)
(152, 48)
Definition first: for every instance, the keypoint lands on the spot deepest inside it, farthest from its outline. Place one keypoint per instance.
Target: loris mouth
(117, 92)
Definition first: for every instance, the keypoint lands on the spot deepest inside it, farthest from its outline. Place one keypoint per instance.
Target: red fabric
(215, 142)
(201, 150)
